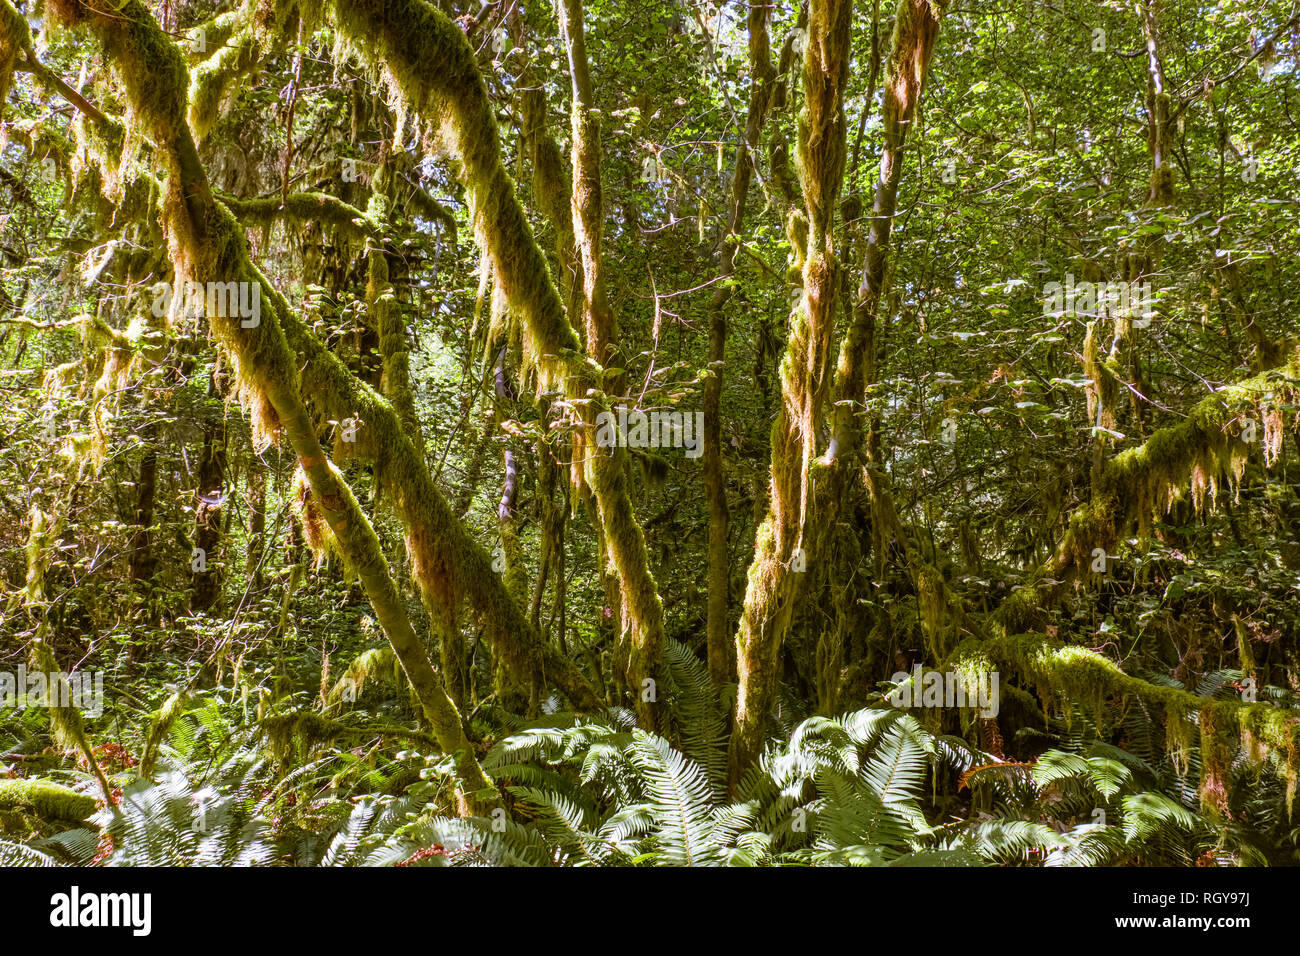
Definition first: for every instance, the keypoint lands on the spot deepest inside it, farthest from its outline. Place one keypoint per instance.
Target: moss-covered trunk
(782, 537)
(206, 245)
(432, 66)
(721, 649)
(206, 567)
(853, 443)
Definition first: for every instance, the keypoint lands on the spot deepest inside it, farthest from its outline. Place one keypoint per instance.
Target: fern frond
(680, 796)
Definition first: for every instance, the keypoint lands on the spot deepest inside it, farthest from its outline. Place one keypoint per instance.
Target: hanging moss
(235, 55)
(376, 664)
(315, 529)
(1194, 454)
(295, 736)
(40, 540)
(15, 37)
(237, 43)
(1076, 674)
(304, 207)
(160, 724)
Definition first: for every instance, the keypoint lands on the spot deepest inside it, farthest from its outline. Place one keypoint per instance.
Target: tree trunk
(782, 537)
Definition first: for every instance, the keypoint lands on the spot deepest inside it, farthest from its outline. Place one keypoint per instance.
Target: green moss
(160, 724)
(15, 38)
(1195, 456)
(1065, 673)
(49, 801)
(316, 207)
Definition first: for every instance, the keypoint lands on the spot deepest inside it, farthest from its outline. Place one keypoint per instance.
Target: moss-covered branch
(433, 68)
(1198, 453)
(447, 562)
(303, 207)
(49, 801)
(1067, 672)
(206, 244)
(1142, 483)
(239, 42)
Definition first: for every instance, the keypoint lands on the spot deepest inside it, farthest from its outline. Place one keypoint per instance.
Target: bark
(142, 556)
(721, 651)
(804, 384)
(431, 62)
(206, 244)
(208, 509)
(256, 490)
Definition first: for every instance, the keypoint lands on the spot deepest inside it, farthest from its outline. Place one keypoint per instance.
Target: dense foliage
(680, 433)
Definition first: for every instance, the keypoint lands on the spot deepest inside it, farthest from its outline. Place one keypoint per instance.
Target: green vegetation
(319, 554)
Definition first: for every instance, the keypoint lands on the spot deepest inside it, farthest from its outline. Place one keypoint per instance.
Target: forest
(685, 433)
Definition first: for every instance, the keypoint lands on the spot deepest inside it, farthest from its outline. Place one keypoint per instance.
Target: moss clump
(14, 39)
(309, 730)
(49, 801)
(379, 664)
(160, 723)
